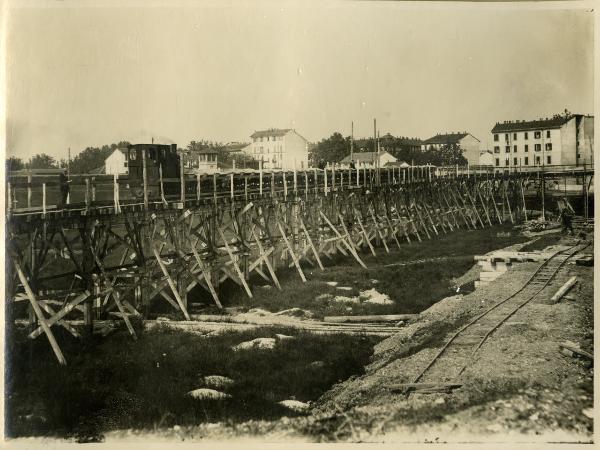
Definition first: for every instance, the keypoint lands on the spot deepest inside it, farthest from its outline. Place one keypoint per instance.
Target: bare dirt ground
(519, 388)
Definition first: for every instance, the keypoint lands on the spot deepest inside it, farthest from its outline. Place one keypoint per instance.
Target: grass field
(412, 288)
(120, 383)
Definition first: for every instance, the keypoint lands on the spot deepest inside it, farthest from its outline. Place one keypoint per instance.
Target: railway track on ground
(443, 372)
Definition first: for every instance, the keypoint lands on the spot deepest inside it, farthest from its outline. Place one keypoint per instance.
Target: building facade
(560, 140)
(369, 159)
(279, 149)
(117, 163)
(468, 143)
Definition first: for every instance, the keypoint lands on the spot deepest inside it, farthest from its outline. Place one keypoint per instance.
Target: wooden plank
(39, 314)
(370, 318)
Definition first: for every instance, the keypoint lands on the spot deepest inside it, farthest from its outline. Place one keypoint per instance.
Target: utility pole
(352, 142)
(69, 163)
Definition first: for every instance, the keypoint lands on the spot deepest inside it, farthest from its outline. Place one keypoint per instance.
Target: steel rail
(493, 307)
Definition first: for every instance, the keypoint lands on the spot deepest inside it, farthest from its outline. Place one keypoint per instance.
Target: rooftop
(556, 121)
(271, 132)
(447, 138)
(362, 157)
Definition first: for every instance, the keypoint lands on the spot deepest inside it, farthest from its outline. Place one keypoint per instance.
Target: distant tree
(332, 149)
(14, 163)
(447, 155)
(42, 161)
(93, 157)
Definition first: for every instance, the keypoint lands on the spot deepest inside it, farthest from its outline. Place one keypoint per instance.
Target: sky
(88, 76)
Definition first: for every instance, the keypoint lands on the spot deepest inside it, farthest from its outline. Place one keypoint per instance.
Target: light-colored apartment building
(279, 149)
(561, 140)
(468, 143)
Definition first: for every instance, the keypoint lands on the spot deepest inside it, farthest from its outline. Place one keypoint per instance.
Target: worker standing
(566, 216)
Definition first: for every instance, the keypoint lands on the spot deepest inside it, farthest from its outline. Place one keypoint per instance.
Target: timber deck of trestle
(95, 257)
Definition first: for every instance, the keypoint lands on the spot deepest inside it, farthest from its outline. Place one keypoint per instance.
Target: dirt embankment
(518, 386)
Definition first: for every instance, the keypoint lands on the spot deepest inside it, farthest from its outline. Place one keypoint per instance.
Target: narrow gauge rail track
(438, 376)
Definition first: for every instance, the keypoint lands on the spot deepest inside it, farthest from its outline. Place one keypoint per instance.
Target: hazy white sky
(88, 76)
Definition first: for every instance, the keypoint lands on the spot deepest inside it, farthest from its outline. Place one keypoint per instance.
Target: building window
(507, 149)
(547, 133)
(507, 162)
(497, 162)
(538, 147)
(514, 136)
(495, 137)
(132, 155)
(515, 148)
(526, 148)
(515, 162)
(537, 160)
(506, 137)
(537, 134)
(125, 164)
(497, 149)
(526, 135)
(549, 146)
(548, 159)
(526, 160)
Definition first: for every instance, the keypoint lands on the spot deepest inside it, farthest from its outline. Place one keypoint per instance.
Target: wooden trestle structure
(113, 258)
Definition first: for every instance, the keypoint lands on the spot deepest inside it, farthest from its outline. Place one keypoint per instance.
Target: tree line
(329, 150)
(336, 147)
(92, 159)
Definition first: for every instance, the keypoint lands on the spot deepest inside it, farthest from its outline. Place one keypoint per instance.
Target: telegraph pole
(352, 143)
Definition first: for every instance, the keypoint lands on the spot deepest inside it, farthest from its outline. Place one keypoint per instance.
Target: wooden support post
(117, 205)
(43, 199)
(285, 190)
(198, 184)
(93, 189)
(162, 187)
(512, 220)
(29, 180)
(87, 193)
(291, 251)
(231, 190)
(9, 199)
(523, 198)
(325, 174)
(214, 188)
(145, 178)
(260, 177)
(182, 179)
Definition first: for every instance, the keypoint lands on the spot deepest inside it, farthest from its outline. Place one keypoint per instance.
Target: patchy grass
(120, 383)
(413, 287)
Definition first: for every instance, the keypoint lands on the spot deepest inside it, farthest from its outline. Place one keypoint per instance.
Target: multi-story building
(468, 143)
(561, 140)
(279, 149)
